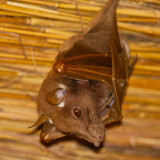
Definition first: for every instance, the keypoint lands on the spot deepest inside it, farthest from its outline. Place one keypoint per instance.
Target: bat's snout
(96, 132)
(100, 139)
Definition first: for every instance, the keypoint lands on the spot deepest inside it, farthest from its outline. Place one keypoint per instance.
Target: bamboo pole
(39, 13)
(151, 30)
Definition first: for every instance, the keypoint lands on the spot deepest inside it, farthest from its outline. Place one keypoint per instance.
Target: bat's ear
(50, 133)
(56, 96)
(42, 119)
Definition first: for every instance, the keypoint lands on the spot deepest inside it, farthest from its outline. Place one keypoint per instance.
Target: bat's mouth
(96, 134)
(98, 141)
(95, 140)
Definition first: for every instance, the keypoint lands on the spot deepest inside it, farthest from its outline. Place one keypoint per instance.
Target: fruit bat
(83, 91)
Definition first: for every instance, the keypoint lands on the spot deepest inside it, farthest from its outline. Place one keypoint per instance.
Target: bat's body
(84, 90)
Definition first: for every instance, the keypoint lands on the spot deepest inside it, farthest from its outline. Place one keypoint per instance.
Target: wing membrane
(87, 67)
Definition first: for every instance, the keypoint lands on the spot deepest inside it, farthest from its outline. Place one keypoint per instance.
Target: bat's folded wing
(86, 67)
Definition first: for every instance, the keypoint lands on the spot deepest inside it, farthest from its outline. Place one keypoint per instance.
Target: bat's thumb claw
(59, 67)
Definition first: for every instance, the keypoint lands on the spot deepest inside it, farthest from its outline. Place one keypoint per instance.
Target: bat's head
(72, 106)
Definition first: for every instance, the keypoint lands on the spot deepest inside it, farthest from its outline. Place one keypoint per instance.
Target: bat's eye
(77, 112)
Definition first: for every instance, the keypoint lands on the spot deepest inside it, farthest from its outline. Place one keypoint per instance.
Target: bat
(84, 90)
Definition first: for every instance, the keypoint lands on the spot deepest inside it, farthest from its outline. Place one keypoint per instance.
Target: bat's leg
(110, 98)
(112, 115)
(105, 110)
(114, 111)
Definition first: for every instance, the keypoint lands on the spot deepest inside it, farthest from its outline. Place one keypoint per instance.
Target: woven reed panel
(31, 31)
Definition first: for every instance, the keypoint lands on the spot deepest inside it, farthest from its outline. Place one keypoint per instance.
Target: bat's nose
(96, 132)
(98, 142)
(100, 137)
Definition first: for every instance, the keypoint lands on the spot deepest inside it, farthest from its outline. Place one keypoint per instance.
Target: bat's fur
(89, 95)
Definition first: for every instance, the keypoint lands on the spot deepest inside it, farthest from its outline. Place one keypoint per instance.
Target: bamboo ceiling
(31, 31)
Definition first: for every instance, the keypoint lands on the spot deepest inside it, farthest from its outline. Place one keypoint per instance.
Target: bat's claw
(59, 67)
